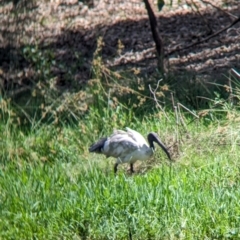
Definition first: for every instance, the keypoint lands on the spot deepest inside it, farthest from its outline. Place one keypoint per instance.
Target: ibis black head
(153, 137)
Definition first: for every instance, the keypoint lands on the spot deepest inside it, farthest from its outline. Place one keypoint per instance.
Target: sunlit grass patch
(51, 187)
(66, 192)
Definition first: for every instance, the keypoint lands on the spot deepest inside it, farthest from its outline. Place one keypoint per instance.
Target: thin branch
(235, 73)
(181, 118)
(227, 144)
(196, 116)
(155, 98)
(230, 90)
(174, 108)
(177, 122)
(16, 92)
(220, 9)
(205, 39)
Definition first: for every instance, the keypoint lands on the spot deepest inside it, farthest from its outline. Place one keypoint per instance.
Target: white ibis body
(127, 147)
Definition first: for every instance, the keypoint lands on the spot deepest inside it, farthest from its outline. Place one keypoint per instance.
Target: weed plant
(52, 188)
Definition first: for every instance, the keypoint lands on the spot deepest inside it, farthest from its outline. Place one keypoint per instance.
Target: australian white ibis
(127, 147)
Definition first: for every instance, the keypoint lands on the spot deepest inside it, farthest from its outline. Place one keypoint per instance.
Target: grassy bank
(52, 188)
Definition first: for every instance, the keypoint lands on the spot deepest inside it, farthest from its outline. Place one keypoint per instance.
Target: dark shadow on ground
(72, 50)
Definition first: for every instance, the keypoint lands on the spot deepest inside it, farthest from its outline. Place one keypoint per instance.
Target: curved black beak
(153, 137)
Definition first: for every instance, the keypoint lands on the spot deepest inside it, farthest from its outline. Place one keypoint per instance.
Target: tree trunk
(156, 36)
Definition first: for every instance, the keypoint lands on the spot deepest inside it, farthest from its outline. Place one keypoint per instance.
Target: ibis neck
(151, 145)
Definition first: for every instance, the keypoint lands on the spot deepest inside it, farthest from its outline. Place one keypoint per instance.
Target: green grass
(52, 188)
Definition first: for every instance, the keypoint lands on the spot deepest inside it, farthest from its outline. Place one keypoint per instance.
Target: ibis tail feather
(98, 146)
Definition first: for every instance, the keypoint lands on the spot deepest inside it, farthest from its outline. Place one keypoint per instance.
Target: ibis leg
(131, 168)
(115, 167)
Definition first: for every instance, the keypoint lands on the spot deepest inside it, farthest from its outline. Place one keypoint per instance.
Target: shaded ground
(69, 31)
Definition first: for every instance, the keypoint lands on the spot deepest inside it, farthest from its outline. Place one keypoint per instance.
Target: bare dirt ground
(70, 30)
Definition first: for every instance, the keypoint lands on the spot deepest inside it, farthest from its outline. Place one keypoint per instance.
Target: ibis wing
(136, 136)
(120, 146)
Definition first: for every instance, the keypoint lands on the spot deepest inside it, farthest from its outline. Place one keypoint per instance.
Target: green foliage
(52, 188)
(105, 94)
(49, 101)
(42, 60)
(81, 199)
(160, 4)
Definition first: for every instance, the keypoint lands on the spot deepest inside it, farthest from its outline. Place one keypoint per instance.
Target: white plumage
(127, 147)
